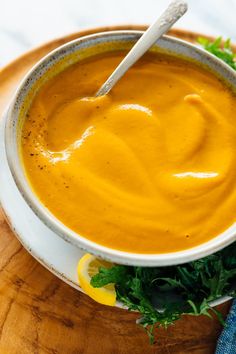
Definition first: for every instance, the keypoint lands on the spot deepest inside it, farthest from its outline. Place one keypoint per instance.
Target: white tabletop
(28, 23)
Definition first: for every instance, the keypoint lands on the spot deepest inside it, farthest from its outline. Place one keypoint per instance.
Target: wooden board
(41, 314)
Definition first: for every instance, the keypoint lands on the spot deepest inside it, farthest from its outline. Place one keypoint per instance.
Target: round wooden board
(41, 314)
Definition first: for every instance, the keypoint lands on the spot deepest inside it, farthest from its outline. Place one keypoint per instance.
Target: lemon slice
(87, 267)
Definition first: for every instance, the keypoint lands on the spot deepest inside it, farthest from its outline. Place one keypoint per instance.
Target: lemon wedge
(88, 266)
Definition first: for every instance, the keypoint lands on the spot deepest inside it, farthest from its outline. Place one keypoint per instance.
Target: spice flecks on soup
(150, 168)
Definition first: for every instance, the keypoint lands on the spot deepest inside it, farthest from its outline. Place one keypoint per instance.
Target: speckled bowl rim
(172, 45)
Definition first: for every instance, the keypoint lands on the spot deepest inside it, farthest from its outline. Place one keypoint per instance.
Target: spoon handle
(175, 10)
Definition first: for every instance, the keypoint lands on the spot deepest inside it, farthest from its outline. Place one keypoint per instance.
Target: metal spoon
(173, 13)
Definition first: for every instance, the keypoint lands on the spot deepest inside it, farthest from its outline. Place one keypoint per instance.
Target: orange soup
(149, 168)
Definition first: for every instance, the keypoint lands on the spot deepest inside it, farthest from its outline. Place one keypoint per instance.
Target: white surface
(27, 23)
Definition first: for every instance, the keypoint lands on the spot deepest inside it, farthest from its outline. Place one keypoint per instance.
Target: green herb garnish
(221, 50)
(162, 295)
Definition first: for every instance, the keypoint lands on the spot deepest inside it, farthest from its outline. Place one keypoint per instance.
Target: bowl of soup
(142, 176)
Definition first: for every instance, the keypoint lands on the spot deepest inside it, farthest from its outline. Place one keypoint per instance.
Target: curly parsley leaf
(221, 50)
(108, 276)
(162, 295)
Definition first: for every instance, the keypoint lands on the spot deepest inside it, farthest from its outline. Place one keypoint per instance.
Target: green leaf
(107, 276)
(221, 50)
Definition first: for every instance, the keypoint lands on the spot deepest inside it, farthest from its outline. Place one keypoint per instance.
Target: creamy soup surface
(150, 168)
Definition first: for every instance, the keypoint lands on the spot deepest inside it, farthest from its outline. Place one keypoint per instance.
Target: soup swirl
(150, 168)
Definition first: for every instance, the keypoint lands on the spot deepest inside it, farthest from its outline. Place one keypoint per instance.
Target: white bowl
(60, 59)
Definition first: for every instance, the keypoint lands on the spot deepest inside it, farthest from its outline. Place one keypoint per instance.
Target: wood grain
(40, 314)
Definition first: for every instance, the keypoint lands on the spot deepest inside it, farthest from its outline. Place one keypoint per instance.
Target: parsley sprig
(162, 295)
(220, 49)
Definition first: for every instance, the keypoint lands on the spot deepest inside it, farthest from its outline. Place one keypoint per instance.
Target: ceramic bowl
(57, 61)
